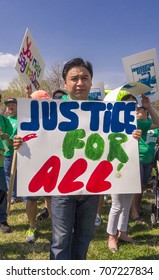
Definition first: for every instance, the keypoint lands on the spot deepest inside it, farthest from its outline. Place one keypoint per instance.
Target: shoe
(112, 244)
(98, 221)
(4, 227)
(43, 215)
(31, 235)
(113, 250)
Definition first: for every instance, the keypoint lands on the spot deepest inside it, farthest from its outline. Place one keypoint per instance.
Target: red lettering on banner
(96, 182)
(67, 184)
(47, 176)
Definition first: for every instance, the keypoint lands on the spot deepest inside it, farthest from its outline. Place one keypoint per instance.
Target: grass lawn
(14, 247)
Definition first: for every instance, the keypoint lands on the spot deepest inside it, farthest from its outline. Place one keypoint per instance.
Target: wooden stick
(12, 177)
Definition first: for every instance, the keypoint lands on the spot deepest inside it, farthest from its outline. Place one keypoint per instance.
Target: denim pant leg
(73, 221)
(86, 212)
(63, 213)
(3, 210)
(3, 205)
(7, 168)
(145, 172)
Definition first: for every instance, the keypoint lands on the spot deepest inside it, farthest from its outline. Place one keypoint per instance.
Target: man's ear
(65, 84)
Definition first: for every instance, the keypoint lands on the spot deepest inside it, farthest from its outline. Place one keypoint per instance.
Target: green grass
(14, 247)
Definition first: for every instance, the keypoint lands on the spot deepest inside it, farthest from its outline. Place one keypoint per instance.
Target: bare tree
(17, 87)
(53, 78)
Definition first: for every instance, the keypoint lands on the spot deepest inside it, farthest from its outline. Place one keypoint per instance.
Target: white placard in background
(142, 67)
(30, 64)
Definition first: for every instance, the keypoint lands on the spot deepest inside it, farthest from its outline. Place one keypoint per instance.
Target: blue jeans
(145, 173)
(3, 205)
(7, 168)
(73, 221)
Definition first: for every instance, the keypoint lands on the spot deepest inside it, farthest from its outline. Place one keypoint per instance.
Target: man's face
(11, 109)
(141, 113)
(78, 83)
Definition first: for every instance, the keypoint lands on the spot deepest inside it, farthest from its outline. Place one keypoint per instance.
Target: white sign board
(30, 64)
(142, 67)
(76, 148)
(133, 88)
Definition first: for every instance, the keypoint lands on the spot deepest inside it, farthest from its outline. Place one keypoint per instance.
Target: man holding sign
(73, 216)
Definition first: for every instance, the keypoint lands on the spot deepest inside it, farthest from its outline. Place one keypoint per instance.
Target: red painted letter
(96, 182)
(47, 176)
(67, 184)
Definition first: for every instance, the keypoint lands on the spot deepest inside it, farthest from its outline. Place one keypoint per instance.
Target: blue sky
(102, 31)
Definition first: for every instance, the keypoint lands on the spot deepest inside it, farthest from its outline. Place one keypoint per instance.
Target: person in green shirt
(5, 134)
(152, 136)
(11, 111)
(147, 119)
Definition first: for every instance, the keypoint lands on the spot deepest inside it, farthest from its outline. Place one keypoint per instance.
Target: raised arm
(154, 116)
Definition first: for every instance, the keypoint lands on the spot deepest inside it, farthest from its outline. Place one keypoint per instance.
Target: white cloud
(7, 60)
(111, 79)
(4, 85)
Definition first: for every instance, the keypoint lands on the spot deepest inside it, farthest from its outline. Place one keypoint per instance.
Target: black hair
(127, 97)
(58, 91)
(77, 62)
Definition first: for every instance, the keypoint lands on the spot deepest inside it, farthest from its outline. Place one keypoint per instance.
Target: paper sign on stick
(30, 64)
(142, 67)
(77, 148)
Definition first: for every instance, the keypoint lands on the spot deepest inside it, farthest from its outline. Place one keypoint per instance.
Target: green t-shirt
(144, 148)
(6, 127)
(152, 136)
(14, 123)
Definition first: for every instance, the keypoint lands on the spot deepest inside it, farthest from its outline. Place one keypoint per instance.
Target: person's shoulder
(12, 118)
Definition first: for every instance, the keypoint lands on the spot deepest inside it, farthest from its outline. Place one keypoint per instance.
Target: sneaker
(98, 221)
(43, 215)
(30, 235)
(4, 227)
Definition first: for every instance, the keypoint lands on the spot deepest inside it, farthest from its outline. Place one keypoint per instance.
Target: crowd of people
(74, 217)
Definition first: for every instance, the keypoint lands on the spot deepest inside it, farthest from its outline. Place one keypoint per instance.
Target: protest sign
(77, 147)
(133, 88)
(142, 67)
(30, 64)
